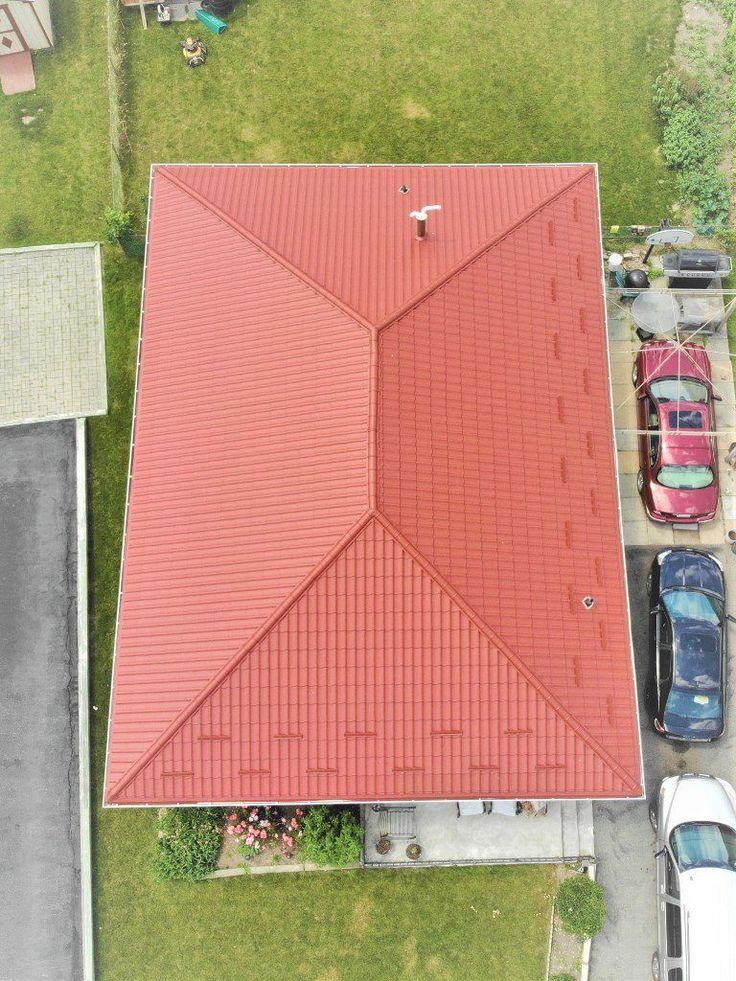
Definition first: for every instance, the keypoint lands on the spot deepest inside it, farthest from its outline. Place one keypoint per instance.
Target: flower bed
(260, 836)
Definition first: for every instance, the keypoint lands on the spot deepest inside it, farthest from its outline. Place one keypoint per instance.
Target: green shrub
(188, 844)
(581, 904)
(708, 190)
(118, 224)
(331, 836)
(685, 142)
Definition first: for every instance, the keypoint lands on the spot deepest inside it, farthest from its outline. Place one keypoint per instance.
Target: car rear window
(685, 478)
(685, 419)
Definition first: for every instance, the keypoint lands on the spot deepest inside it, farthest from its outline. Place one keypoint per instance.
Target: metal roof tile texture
(250, 460)
(356, 549)
(346, 227)
(374, 686)
(496, 457)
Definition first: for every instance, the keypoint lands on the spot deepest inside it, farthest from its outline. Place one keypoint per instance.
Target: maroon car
(678, 479)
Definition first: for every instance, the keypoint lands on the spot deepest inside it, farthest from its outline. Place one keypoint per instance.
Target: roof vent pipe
(421, 217)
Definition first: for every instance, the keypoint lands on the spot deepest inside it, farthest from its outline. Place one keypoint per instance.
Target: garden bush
(188, 844)
(331, 836)
(581, 904)
(118, 224)
(691, 103)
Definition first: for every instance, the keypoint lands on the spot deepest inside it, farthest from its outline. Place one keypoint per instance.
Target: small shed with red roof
(372, 482)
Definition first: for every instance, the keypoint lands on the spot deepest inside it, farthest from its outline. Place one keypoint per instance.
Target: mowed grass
(344, 926)
(55, 171)
(427, 81)
(355, 80)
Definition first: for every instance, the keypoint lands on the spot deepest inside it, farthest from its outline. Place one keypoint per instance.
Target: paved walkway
(39, 799)
(623, 836)
(52, 337)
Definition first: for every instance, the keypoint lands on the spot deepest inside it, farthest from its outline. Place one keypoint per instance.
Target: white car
(695, 821)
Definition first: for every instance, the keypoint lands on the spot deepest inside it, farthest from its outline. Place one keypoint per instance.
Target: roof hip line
(261, 245)
(479, 251)
(241, 654)
(510, 655)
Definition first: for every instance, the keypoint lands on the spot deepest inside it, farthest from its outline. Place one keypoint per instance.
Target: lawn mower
(194, 52)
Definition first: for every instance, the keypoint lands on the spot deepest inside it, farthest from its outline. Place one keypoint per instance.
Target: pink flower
(299, 812)
(230, 829)
(288, 841)
(249, 840)
(294, 824)
(263, 834)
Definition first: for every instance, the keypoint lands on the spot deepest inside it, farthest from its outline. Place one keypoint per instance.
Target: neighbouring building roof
(52, 334)
(372, 481)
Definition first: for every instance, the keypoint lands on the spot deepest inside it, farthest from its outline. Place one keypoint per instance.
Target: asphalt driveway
(624, 839)
(39, 798)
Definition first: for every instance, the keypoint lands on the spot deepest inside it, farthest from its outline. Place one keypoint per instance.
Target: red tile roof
(373, 479)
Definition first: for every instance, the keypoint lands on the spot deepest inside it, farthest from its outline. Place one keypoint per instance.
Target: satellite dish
(656, 312)
(670, 236)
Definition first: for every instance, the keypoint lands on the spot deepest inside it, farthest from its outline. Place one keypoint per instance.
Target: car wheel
(655, 966)
(635, 375)
(640, 482)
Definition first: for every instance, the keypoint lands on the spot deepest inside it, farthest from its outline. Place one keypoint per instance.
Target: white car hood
(697, 799)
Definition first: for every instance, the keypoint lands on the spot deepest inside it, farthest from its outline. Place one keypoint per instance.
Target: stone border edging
(268, 869)
(588, 944)
(85, 845)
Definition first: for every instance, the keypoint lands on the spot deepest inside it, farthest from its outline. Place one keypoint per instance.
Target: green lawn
(55, 172)
(444, 923)
(434, 80)
(430, 80)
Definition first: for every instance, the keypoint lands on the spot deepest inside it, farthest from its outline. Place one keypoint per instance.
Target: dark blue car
(687, 644)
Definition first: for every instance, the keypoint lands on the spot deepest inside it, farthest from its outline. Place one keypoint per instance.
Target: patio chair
(396, 822)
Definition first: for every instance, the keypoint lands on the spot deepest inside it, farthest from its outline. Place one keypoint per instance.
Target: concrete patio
(564, 833)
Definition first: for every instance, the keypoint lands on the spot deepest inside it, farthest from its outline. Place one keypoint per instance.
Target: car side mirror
(656, 610)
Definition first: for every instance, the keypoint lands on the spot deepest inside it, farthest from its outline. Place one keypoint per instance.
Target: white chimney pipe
(421, 217)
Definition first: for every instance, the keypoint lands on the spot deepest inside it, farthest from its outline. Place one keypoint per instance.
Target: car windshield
(692, 604)
(685, 478)
(689, 704)
(679, 390)
(700, 845)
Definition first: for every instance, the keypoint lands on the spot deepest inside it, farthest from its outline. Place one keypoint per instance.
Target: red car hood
(663, 359)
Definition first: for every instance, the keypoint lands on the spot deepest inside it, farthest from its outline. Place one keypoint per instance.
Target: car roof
(691, 569)
(684, 445)
(708, 898)
(697, 653)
